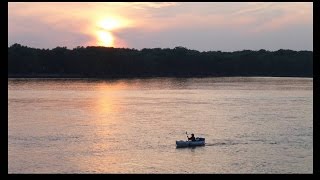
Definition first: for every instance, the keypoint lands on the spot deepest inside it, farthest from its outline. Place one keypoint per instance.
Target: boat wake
(224, 143)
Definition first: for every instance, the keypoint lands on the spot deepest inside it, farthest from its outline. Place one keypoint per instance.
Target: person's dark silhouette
(192, 138)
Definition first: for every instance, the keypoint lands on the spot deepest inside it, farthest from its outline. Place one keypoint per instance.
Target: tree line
(96, 61)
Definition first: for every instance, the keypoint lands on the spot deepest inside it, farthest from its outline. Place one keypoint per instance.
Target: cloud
(145, 5)
(290, 14)
(46, 38)
(253, 8)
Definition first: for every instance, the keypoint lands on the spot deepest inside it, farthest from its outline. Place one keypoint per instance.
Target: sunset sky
(201, 26)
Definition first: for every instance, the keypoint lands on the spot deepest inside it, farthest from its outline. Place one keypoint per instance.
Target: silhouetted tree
(95, 61)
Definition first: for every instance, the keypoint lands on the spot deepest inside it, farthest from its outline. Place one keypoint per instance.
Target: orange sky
(201, 26)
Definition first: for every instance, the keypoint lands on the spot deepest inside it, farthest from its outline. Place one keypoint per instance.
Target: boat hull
(198, 142)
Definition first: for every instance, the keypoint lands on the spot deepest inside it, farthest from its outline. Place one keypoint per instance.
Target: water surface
(251, 125)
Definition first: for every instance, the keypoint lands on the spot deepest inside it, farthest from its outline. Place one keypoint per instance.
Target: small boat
(198, 142)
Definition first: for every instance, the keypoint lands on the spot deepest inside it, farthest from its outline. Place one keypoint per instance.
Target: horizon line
(151, 48)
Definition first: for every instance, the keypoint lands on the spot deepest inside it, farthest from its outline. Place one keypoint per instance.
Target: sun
(105, 38)
(109, 24)
(105, 28)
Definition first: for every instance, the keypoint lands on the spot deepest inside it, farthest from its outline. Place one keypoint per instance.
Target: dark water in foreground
(251, 125)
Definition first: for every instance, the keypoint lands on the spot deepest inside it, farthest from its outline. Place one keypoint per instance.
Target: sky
(203, 26)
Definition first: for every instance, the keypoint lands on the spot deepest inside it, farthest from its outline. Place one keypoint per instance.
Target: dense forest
(105, 62)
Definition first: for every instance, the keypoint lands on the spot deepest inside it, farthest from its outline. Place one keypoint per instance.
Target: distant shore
(179, 62)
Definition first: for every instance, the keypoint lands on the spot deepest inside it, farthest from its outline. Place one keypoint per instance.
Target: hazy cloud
(201, 26)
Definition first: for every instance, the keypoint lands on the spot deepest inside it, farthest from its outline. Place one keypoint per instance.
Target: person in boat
(192, 138)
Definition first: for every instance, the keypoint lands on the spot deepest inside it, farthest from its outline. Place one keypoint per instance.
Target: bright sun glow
(112, 23)
(109, 24)
(105, 39)
(105, 26)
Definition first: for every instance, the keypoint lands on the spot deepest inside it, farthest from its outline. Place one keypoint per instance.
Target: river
(251, 125)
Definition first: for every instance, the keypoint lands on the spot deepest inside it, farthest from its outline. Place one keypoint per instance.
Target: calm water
(251, 125)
